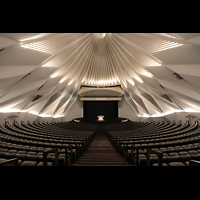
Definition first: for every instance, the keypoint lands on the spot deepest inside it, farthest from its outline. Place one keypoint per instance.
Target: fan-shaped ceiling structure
(101, 92)
(44, 73)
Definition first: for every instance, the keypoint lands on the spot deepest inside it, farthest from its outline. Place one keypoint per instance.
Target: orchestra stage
(105, 120)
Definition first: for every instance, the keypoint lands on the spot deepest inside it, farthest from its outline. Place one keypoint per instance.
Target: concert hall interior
(100, 99)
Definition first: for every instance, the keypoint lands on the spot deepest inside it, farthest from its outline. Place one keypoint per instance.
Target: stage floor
(95, 120)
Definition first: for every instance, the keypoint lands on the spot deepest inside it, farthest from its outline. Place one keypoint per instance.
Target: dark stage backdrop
(91, 109)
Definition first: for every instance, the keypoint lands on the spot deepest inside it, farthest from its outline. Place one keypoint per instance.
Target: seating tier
(178, 143)
(28, 142)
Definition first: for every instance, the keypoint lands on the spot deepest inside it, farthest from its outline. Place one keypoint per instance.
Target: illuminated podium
(100, 118)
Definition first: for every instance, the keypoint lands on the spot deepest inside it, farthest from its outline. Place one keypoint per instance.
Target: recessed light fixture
(62, 80)
(101, 35)
(148, 74)
(190, 110)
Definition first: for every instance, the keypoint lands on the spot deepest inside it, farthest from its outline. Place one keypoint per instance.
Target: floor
(101, 153)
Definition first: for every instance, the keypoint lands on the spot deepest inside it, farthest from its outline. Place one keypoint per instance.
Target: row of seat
(178, 143)
(73, 126)
(30, 143)
(165, 140)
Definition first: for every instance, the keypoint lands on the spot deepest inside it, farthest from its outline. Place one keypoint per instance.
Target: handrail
(7, 123)
(10, 161)
(134, 155)
(134, 152)
(194, 163)
(158, 153)
(68, 160)
(45, 153)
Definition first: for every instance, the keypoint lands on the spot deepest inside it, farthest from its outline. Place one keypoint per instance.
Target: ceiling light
(22, 110)
(9, 110)
(169, 112)
(57, 116)
(32, 46)
(148, 74)
(178, 111)
(42, 115)
(69, 82)
(131, 82)
(62, 80)
(53, 75)
(138, 78)
(190, 110)
(158, 115)
(34, 37)
(101, 35)
(33, 112)
(170, 46)
(101, 82)
(152, 63)
(49, 64)
(146, 116)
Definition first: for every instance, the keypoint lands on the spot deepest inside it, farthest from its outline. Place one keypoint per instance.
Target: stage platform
(95, 120)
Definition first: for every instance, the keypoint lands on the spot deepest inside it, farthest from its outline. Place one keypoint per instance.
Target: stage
(95, 120)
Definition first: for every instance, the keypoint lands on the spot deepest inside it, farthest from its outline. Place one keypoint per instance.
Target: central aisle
(101, 152)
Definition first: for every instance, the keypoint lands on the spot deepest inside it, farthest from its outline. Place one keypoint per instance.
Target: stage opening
(107, 109)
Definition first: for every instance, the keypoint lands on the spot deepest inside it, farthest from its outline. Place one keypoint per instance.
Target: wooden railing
(45, 154)
(158, 153)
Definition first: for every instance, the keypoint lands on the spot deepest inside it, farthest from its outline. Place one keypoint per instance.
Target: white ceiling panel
(145, 65)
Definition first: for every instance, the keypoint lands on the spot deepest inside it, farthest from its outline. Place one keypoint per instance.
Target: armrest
(158, 153)
(133, 147)
(45, 153)
(194, 163)
(68, 160)
(10, 161)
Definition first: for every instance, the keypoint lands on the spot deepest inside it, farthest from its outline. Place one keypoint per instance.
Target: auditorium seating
(62, 143)
(176, 143)
(43, 144)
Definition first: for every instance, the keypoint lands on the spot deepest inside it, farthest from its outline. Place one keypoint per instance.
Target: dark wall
(91, 109)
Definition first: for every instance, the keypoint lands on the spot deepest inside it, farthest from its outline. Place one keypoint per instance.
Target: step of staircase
(101, 152)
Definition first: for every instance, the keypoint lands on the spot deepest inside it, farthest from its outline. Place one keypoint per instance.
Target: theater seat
(29, 163)
(2, 160)
(176, 164)
(42, 164)
(187, 163)
(184, 155)
(156, 164)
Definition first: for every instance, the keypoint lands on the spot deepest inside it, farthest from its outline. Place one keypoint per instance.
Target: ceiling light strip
(82, 60)
(118, 66)
(114, 69)
(131, 68)
(120, 56)
(77, 57)
(89, 76)
(128, 52)
(65, 48)
(138, 48)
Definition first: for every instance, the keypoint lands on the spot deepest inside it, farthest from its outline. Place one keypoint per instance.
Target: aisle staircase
(101, 152)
